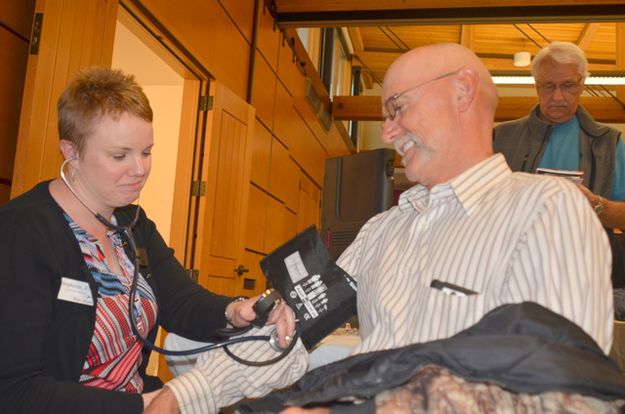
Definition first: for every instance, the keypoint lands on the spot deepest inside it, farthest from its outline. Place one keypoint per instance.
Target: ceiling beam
(585, 37)
(303, 6)
(369, 108)
(299, 13)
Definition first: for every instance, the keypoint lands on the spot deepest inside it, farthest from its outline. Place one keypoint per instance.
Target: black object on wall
(355, 188)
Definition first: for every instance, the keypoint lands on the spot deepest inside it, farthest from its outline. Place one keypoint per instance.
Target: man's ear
(68, 149)
(467, 82)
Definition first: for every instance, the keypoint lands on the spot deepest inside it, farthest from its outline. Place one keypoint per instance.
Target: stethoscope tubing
(127, 232)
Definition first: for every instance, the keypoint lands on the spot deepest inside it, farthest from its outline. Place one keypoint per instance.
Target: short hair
(562, 52)
(94, 93)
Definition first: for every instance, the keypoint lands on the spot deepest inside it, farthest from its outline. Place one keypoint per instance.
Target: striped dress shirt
(509, 237)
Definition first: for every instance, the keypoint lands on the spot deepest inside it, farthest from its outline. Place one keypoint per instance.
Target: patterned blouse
(114, 355)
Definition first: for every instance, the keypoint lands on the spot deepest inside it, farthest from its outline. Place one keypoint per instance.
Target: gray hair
(562, 52)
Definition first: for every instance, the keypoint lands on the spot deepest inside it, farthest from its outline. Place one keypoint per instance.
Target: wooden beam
(369, 108)
(306, 6)
(367, 79)
(298, 13)
(467, 32)
(585, 37)
(356, 36)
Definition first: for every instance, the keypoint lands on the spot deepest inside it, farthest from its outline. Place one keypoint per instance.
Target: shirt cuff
(219, 381)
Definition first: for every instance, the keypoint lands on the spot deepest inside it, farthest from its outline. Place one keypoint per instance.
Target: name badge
(75, 291)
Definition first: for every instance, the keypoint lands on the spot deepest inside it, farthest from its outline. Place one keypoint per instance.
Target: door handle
(240, 270)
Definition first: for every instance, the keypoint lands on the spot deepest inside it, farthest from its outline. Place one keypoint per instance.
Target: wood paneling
(205, 29)
(288, 71)
(18, 16)
(267, 36)
(13, 54)
(290, 225)
(263, 90)
(274, 235)
(261, 156)
(256, 220)
(308, 153)
(283, 176)
(75, 34)
(286, 118)
(310, 197)
(242, 14)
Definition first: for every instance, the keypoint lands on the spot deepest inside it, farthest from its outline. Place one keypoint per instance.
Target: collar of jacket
(590, 127)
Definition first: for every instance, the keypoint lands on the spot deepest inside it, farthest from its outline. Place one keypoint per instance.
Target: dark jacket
(45, 340)
(524, 348)
(524, 140)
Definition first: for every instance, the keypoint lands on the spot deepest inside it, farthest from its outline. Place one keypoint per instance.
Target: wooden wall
(290, 144)
(15, 26)
(243, 50)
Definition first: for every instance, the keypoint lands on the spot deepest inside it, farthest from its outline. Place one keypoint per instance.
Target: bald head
(439, 102)
(426, 62)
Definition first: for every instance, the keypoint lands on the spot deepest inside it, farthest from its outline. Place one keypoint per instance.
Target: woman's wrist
(228, 312)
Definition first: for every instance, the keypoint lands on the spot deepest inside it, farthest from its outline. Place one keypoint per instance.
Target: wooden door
(223, 211)
(75, 34)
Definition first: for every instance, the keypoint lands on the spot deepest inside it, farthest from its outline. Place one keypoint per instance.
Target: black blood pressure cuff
(322, 295)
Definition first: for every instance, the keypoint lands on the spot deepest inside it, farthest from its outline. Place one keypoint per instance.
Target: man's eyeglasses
(568, 87)
(390, 105)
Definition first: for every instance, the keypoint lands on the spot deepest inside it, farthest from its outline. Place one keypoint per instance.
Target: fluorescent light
(513, 80)
(605, 80)
(529, 80)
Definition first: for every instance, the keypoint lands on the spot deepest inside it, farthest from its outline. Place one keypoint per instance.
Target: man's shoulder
(541, 187)
(508, 126)
(595, 128)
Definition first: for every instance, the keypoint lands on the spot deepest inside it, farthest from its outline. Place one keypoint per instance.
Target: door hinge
(35, 38)
(206, 103)
(198, 188)
(193, 274)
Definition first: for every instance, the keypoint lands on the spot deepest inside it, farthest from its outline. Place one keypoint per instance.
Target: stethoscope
(263, 306)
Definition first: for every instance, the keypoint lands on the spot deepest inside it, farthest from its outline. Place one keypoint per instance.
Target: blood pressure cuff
(322, 294)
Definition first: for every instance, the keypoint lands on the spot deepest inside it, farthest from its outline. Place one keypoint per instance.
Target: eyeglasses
(390, 105)
(568, 87)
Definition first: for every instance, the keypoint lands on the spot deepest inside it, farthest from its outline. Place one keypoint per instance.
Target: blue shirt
(562, 153)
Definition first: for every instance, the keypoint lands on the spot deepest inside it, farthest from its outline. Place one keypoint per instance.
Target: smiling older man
(471, 235)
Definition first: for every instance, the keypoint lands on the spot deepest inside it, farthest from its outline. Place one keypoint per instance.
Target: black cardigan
(45, 340)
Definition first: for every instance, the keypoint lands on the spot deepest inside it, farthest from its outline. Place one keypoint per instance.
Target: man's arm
(563, 263)
(612, 214)
(219, 381)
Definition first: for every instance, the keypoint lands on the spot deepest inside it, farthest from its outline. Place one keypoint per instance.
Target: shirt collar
(468, 187)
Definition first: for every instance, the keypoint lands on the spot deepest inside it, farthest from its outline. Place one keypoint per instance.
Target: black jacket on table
(521, 347)
(45, 340)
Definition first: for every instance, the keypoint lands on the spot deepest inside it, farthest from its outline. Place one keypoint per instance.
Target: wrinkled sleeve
(563, 262)
(219, 381)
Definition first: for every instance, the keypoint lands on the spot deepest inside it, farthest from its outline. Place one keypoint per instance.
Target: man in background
(559, 134)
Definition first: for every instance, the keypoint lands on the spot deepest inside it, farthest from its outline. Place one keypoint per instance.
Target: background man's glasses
(566, 87)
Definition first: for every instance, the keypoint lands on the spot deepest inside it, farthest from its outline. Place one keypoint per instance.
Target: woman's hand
(241, 313)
